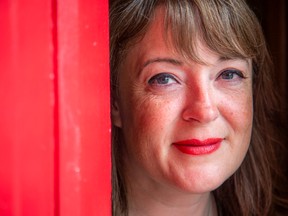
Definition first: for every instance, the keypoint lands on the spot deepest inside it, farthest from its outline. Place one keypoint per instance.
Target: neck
(166, 201)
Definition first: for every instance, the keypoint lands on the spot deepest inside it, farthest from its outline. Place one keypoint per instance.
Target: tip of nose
(201, 114)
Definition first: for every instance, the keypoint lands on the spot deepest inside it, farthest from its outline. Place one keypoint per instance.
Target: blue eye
(162, 79)
(230, 74)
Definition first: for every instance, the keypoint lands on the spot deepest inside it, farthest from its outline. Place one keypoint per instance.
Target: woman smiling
(190, 98)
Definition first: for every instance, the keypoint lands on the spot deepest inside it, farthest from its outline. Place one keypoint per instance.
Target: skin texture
(189, 100)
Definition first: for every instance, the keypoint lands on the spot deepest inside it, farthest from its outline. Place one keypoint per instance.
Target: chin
(202, 188)
(201, 183)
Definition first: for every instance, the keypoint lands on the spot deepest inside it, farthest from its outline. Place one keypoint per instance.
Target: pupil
(163, 79)
(228, 75)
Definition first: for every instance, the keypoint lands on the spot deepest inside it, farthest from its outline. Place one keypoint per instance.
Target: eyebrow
(159, 59)
(223, 59)
(165, 60)
(179, 63)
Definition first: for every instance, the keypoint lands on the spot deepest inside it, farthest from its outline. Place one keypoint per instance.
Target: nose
(201, 105)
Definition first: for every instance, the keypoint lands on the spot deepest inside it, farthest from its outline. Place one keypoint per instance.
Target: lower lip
(198, 150)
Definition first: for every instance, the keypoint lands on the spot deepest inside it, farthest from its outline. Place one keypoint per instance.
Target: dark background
(273, 18)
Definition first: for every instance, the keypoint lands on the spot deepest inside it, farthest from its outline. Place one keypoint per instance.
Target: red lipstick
(198, 147)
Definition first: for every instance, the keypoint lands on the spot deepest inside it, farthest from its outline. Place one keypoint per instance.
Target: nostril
(200, 112)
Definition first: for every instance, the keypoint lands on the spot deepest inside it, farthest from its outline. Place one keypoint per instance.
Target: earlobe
(116, 118)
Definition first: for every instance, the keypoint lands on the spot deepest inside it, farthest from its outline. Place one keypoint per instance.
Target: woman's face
(186, 125)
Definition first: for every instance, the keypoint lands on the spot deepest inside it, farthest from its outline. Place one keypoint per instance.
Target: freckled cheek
(239, 112)
(143, 126)
(150, 115)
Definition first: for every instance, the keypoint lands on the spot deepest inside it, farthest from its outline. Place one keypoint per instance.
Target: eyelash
(231, 73)
(162, 77)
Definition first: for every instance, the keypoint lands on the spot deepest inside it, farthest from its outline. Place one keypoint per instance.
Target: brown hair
(229, 28)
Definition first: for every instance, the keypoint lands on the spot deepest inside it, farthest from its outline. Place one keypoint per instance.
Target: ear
(116, 118)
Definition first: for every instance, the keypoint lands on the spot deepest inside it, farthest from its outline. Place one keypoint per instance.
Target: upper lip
(197, 142)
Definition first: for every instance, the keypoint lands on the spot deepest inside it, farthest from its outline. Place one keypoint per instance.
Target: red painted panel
(26, 109)
(84, 121)
(54, 108)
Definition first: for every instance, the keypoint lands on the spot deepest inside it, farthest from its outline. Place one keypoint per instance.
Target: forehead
(183, 36)
(153, 48)
(157, 42)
